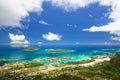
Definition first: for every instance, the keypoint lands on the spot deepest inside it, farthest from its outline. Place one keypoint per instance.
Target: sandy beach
(98, 59)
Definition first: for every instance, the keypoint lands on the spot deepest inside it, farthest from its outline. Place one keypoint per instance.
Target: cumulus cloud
(114, 14)
(43, 22)
(51, 36)
(12, 12)
(111, 27)
(69, 5)
(18, 39)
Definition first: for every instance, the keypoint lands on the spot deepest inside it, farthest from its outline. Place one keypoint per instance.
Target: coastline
(52, 71)
(85, 63)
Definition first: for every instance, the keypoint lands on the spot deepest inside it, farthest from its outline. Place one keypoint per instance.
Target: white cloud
(111, 27)
(12, 12)
(114, 14)
(69, 5)
(15, 38)
(77, 43)
(18, 39)
(115, 38)
(19, 45)
(43, 22)
(69, 25)
(20, 42)
(107, 43)
(39, 43)
(111, 43)
(51, 36)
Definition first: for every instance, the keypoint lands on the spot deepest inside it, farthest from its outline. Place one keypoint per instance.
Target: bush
(115, 61)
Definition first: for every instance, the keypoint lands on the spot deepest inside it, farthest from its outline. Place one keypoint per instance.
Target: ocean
(10, 54)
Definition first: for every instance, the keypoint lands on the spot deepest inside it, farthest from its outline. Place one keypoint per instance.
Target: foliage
(109, 70)
(115, 61)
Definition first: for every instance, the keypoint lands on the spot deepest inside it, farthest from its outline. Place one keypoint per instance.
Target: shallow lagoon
(18, 54)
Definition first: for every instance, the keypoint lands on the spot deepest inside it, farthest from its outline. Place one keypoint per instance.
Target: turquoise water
(14, 54)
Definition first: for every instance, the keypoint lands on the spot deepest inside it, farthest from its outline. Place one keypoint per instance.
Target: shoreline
(37, 60)
(54, 70)
(24, 70)
(51, 67)
(96, 58)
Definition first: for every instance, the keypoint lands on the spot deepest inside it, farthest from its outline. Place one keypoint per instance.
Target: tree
(115, 61)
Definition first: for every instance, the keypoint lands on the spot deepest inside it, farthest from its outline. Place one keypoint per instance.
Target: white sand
(96, 61)
(45, 69)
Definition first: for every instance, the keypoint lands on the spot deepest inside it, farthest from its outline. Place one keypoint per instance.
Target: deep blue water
(81, 53)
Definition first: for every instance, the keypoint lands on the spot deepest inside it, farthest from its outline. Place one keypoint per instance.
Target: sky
(59, 22)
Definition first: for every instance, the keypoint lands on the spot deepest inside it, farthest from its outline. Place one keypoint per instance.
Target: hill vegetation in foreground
(107, 70)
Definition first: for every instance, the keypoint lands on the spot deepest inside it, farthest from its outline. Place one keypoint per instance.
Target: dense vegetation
(108, 70)
(59, 50)
(30, 48)
(115, 61)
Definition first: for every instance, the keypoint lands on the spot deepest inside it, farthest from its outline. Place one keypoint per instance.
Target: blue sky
(53, 23)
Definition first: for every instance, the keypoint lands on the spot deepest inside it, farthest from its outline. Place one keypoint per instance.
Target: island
(59, 50)
(30, 48)
(53, 59)
(38, 59)
(101, 67)
(46, 59)
(4, 59)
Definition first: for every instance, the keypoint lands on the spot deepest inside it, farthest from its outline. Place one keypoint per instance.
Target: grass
(79, 62)
(32, 65)
(100, 71)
